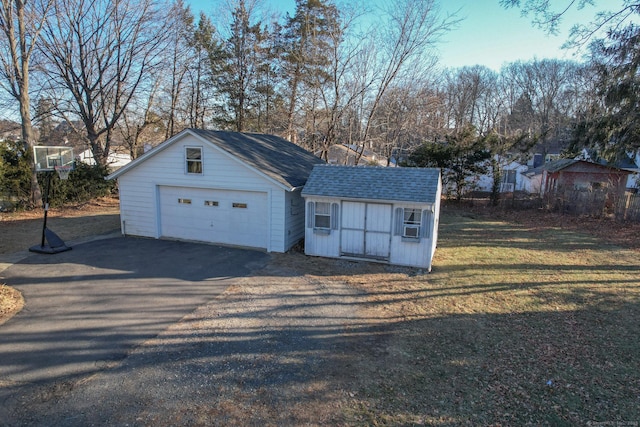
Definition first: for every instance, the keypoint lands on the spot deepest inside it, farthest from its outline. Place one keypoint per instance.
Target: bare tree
(472, 98)
(21, 23)
(98, 54)
(177, 57)
(545, 97)
(330, 97)
(548, 15)
(138, 119)
(413, 29)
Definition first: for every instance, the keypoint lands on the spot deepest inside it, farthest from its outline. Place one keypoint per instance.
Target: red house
(579, 175)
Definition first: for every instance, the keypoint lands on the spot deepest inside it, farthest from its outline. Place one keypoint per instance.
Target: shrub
(86, 182)
(15, 175)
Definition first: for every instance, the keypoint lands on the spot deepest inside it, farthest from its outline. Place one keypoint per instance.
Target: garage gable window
(322, 216)
(193, 156)
(412, 223)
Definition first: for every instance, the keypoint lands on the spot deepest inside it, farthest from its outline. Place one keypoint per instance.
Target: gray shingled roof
(559, 164)
(374, 183)
(276, 157)
(279, 159)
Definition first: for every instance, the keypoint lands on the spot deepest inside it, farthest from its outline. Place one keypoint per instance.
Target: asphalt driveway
(88, 307)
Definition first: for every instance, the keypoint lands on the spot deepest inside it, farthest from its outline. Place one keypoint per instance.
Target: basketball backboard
(48, 157)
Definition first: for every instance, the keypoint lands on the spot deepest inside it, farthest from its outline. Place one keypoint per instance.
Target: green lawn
(515, 326)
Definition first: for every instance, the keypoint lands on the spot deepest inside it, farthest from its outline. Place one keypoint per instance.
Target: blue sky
(489, 34)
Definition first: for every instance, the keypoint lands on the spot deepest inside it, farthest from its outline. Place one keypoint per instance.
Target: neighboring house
(230, 188)
(373, 213)
(571, 174)
(629, 163)
(532, 180)
(115, 160)
(511, 179)
(634, 179)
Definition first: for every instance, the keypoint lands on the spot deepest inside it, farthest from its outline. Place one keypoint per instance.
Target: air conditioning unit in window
(411, 231)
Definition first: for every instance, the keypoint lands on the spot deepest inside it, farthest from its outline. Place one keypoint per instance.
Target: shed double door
(365, 230)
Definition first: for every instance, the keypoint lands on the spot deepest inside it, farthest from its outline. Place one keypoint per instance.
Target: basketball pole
(50, 243)
(46, 207)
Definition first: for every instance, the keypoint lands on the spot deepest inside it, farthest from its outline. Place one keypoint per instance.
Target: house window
(210, 203)
(239, 205)
(184, 201)
(194, 159)
(411, 223)
(508, 183)
(509, 176)
(322, 216)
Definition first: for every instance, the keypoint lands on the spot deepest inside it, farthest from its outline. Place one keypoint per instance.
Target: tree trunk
(28, 139)
(292, 104)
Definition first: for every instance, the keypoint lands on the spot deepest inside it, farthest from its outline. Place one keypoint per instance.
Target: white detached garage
(373, 213)
(230, 188)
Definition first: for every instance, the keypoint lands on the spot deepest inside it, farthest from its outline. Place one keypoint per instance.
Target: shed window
(412, 223)
(194, 159)
(322, 215)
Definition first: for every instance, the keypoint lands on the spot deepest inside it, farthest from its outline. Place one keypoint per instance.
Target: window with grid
(323, 215)
(194, 160)
(411, 223)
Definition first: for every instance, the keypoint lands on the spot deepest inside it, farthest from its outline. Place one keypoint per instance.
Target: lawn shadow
(311, 350)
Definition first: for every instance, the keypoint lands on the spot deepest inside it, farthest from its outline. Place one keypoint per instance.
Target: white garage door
(218, 216)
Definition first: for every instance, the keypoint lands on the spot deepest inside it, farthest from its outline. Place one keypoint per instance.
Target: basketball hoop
(63, 171)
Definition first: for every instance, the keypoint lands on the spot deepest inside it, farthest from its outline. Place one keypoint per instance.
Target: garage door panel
(208, 215)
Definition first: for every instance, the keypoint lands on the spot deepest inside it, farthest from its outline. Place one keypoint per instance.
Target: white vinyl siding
(326, 243)
(294, 217)
(139, 189)
(375, 231)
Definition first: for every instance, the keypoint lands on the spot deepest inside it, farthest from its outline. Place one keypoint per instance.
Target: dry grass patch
(11, 302)
(21, 230)
(516, 325)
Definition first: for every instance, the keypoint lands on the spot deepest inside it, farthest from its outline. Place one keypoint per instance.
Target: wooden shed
(570, 174)
(373, 213)
(231, 188)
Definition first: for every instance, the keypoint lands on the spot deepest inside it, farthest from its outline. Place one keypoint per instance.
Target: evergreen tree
(244, 56)
(308, 44)
(612, 124)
